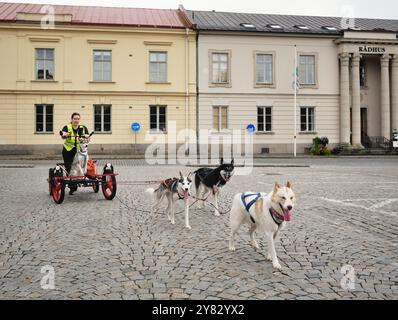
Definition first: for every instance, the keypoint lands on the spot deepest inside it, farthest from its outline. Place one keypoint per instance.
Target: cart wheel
(109, 184)
(109, 187)
(50, 181)
(96, 187)
(58, 189)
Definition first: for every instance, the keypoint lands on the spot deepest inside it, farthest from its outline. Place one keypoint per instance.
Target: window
(220, 118)
(248, 25)
(264, 68)
(275, 26)
(307, 119)
(44, 64)
(362, 74)
(102, 118)
(220, 68)
(264, 119)
(102, 65)
(302, 27)
(158, 118)
(158, 67)
(330, 28)
(44, 118)
(307, 70)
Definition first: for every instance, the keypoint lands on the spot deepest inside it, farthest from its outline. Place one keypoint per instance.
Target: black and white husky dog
(211, 180)
(173, 189)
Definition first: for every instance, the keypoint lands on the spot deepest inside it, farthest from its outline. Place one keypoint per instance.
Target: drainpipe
(197, 95)
(187, 90)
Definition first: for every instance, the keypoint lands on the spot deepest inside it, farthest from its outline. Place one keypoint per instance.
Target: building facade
(348, 78)
(178, 69)
(115, 66)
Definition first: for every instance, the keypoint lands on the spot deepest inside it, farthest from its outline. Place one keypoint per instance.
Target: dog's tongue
(287, 215)
(186, 195)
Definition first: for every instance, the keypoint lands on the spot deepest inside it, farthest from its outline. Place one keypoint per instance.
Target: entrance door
(364, 127)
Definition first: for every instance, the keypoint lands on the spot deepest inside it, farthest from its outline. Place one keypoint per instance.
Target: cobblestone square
(346, 214)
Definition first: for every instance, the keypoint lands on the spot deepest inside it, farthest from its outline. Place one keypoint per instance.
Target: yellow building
(114, 66)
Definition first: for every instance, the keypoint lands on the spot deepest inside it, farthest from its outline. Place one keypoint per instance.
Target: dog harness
(171, 185)
(248, 205)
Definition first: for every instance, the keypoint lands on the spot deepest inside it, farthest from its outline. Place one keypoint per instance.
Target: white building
(245, 76)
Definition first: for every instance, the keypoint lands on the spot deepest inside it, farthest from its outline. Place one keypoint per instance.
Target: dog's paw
(255, 245)
(269, 258)
(216, 213)
(188, 227)
(277, 266)
(232, 248)
(173, 222)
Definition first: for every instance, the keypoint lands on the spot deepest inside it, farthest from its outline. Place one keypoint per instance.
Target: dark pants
(68, 160)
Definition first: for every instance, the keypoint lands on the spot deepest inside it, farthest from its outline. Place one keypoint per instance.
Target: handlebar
(61, 133)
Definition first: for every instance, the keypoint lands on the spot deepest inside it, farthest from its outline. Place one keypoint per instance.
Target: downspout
(197, 96)
(187, 90)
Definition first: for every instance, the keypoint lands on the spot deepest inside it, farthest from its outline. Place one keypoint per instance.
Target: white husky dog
(267, 212)
(79, 164)
(174, 189)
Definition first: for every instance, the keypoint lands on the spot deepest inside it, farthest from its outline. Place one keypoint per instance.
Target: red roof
(158, 18)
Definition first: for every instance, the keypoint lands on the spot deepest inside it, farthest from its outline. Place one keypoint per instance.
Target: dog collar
(276, 216)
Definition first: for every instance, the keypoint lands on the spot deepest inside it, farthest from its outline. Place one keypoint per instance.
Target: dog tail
(150, 191)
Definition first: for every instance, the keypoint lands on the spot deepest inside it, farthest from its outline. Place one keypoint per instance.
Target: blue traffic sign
(251, 128)
(135, 126)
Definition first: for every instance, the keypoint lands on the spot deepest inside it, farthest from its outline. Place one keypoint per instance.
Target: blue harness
(250, 204)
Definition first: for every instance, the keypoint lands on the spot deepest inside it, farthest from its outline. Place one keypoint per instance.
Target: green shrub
(319, 147)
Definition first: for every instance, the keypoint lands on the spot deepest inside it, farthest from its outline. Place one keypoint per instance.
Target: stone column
(394, 93)
(344, 99)
(356, 102)
(385, 97)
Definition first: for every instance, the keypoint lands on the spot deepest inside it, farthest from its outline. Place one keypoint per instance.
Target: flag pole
(295, 101)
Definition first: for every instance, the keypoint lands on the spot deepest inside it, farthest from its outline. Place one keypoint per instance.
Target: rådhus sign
(367, 49)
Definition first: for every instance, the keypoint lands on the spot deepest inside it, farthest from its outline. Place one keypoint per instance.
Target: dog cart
(59, 179)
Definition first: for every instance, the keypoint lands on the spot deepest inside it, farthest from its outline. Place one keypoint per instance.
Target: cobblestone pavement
(346, 215)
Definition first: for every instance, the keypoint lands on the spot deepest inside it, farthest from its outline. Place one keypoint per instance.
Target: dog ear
(181, 176)
(276, 186)
(288, 185)
(189, 175)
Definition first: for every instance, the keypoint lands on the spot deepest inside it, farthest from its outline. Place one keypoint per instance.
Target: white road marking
(373, 208)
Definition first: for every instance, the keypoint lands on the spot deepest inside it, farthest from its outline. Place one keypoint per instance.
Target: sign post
(135, 127)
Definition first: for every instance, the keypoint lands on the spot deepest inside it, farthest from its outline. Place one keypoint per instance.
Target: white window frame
(158, 63)
(44, 118)
(45, 61)
(307, 120)
(102, 65)
(219, 129)
(102, 118)
(265, 119)
(315, 69)
(157, 130)
(264, 84)
(211, 73)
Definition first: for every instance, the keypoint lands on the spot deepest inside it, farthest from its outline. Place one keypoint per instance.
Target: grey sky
(387, 9)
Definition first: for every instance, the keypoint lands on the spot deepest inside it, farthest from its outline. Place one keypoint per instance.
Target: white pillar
(394, 93)
(356, 102)
(344, 99)
(385, 97)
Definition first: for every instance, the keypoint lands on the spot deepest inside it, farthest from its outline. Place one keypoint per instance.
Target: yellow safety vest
(70, 142)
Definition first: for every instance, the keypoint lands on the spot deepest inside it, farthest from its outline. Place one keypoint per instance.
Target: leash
(146, 211)
(205, 200)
